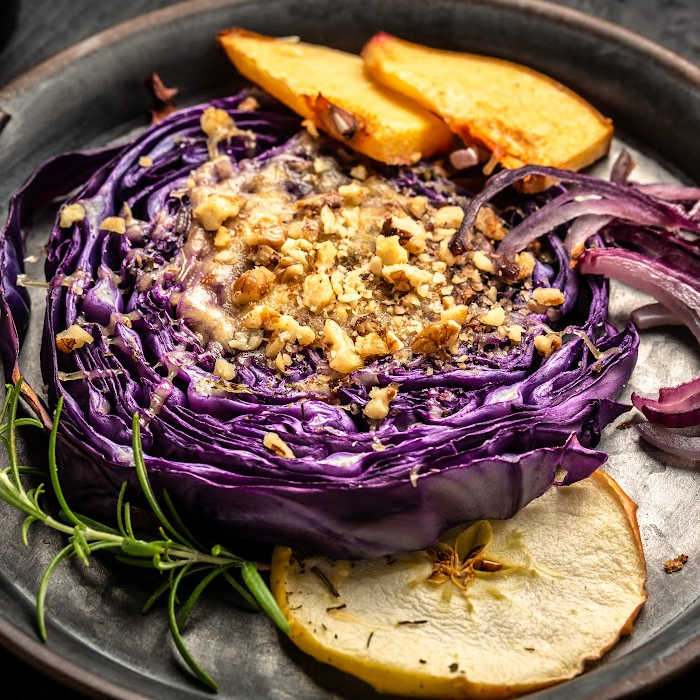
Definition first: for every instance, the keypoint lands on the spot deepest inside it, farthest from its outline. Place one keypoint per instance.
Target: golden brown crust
(516, 134)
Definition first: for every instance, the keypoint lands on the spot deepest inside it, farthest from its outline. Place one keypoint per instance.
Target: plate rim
(44, 659)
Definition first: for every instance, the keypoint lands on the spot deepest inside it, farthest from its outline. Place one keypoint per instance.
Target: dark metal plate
(94, 92)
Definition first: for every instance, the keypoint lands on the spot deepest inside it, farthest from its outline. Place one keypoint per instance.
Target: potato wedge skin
(521, 115)
(331, 89)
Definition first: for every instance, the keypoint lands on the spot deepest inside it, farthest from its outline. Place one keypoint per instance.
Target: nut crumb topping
(72, 338)
(71, 214)
(308, 248)
(675, 564)
(115, 224)
(276, 444)
(378, 405)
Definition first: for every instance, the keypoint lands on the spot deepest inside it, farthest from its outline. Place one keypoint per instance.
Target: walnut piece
(318, 291)
(489, 224)
(378, 405)
(448, 217)
(216, 208)
(547, 344)
(436, 336)
(495, 316)
(276, 444)
(115, 224)
(252, 285)
(675, 564)
(370, 345)
(548, 296)
(72, 338)
(341, 350)
(390, 250)
(224, 369)
(483, 262)
(71, 214)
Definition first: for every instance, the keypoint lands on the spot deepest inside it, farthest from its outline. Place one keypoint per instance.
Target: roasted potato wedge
(331, 89)
(496, 609)
(521, 115)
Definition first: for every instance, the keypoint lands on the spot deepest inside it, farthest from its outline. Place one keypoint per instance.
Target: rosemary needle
(173, 550)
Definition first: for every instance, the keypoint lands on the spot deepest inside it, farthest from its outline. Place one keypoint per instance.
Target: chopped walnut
(418, 206)
(215, 121)
(246, 340)
(458, 313)
(115, 224)
(72, 338)
(515, 333)
(378, 405)
(448, 217)
(359, 172)
(548, 296)
(436, 336)
(403, 277)
(318, 291)
(252, 285)
(390, 250)
(258, 234)
(445, 254)
(406, 226)
(370, 345)
(225, 256)
(224, 369)
(276, 444)
(216, 208)
(495, 316)
(343, 358)
(223, 238)
(393, 342)
(249, 104)
(483, 262)
(526, 264)
(547, 344)
(352, 193)
(675, 564)
(293, 272)
(488, 222)
(325, 255)
(322, 164)
(71, 214)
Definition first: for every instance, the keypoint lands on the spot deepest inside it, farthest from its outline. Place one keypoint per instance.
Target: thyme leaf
(173, 550)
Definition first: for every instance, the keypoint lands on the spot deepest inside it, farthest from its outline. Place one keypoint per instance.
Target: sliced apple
(522, 116)
(331, 89)
(496, 609)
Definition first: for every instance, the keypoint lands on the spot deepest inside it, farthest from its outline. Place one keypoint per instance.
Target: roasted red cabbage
(458, 444)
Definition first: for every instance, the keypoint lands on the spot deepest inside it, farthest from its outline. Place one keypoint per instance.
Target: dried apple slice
(521, 115)
(494, 610)
(331, 89)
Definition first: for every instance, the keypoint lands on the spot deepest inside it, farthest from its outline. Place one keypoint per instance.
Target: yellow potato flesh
(312, 79)
(521, 115)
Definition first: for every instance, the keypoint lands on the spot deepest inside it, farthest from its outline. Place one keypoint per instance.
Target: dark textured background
(33, 30)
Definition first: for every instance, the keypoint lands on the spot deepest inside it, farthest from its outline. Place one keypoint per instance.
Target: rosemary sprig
(173, 550)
